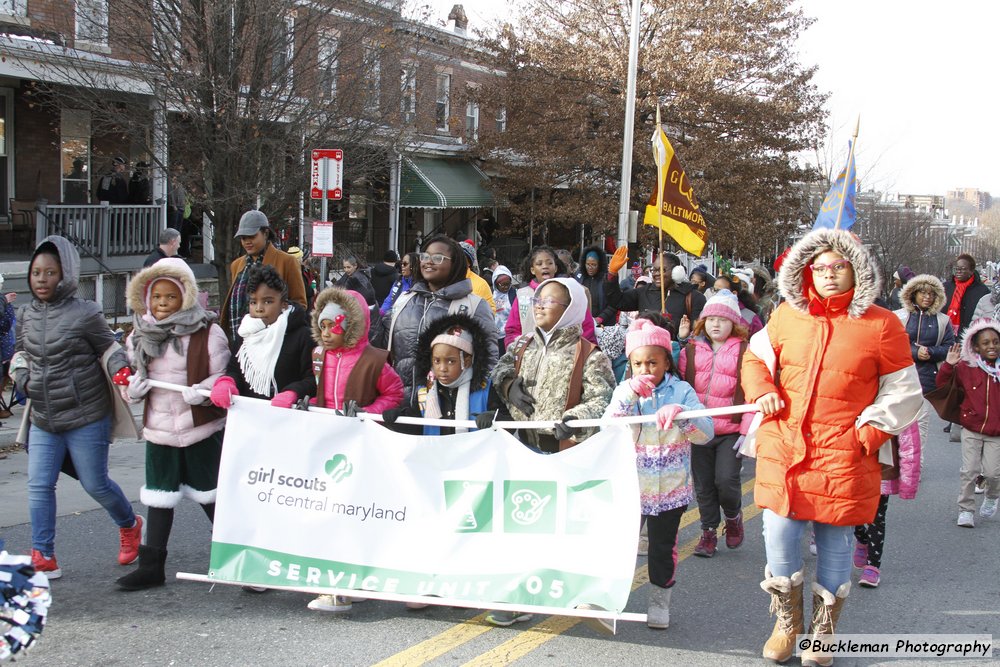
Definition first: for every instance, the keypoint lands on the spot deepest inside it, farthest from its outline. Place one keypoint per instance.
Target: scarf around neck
(992, 371)
(432, 408)
(259, 353)
(955, 307)
(151, 336)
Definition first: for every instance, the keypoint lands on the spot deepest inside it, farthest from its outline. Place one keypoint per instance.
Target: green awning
(432, 183)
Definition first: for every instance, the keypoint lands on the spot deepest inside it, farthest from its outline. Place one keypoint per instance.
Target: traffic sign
(327, 173)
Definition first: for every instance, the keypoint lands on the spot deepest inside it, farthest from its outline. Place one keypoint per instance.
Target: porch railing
(102, 231)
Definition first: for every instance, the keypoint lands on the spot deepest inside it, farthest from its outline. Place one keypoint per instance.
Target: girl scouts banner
(327, 503)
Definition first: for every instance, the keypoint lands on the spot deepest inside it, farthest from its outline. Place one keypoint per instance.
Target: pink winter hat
(643, 332)
(723, 304)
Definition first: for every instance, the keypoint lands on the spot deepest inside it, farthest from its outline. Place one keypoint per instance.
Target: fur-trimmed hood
(925, 281)
(481, 340)
(169, 267)
(358, 318)
(795, 277)
(968, 354)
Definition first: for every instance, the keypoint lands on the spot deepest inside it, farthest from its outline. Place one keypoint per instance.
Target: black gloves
(562, 430)
(484, 420)
(390, 416)
(518, 396)
(351, 409)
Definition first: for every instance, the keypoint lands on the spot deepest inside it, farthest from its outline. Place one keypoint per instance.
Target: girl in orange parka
(833, 376)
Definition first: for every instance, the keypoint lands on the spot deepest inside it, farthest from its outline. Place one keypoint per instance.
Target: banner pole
(847, 171)
(660, 183)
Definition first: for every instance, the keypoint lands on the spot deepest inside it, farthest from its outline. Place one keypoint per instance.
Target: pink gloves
(665, 415)
(284, 399)
(223, 391)
(642, 385)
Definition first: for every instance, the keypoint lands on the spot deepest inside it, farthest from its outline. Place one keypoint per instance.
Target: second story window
(502, 119)
(329, 58)
(443, 104)
(471, 120)
(92, 21)
(14, 7)
(373, 78)
(284, 48)
(408, 88)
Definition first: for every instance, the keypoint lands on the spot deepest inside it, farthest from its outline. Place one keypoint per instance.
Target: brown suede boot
(786, 605)
(826, 613)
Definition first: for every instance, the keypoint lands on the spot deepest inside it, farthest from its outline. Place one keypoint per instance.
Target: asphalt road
(937, 578)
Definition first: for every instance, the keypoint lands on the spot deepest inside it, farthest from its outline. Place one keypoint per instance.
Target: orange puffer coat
(848, 383)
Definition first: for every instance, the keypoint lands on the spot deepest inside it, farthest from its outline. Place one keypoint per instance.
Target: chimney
(457, 15)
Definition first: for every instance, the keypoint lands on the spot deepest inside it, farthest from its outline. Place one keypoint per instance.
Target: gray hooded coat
(64, 340)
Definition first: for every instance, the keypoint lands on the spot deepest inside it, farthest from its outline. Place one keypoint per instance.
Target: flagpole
(660, 168)
(624, 201)
(847, 172)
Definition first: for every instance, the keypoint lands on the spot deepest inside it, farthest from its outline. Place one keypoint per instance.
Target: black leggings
(873, 534)
(662, 529)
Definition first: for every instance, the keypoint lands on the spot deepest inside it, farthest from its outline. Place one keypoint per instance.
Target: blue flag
(841, 196)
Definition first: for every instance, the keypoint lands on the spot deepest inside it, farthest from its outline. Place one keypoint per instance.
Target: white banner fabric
(319, 501)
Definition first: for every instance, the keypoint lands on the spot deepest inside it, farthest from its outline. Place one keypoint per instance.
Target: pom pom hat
(723, 304)
(642, 333)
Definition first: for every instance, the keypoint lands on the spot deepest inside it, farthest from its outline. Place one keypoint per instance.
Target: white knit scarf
(259, 352)
(991, 370)
(432, 408)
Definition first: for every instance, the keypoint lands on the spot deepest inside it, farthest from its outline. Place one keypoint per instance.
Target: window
(443, 105)
(74, 144)
(14, 7)
(92, 21)
(471, 120)
(284, 45)
(502, 119)
(329, 43)
(167, 30)
(373, 78)
(408, 88)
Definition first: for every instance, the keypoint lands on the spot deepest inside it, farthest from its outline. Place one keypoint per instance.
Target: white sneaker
(331, 603)
(988, 508)
(965, 519)
(980, 489)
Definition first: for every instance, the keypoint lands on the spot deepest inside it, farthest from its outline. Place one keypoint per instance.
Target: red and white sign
(327, 173)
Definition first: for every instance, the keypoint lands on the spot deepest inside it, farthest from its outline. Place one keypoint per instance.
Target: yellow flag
(679, 216)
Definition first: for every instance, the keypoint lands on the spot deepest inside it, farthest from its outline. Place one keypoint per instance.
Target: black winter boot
(150, 572)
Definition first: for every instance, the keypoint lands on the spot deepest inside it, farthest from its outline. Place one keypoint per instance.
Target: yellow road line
(532, 638)
(464, 632)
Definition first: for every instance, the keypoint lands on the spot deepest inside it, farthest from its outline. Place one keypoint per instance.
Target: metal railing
(102, 230)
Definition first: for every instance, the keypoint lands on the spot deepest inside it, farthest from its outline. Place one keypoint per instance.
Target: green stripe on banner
(543, 587)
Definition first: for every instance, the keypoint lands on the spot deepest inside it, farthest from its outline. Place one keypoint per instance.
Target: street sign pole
(326, 218)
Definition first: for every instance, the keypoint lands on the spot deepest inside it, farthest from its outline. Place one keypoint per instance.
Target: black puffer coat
(64, 340)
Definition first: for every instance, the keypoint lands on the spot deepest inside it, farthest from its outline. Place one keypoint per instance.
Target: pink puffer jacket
(339, 363)
(168, 419)
(715, 380)
(909, 466)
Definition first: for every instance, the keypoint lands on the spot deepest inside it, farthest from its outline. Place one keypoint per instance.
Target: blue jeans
(834, 549)
(87, 446)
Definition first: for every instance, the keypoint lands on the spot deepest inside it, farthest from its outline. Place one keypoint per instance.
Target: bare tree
(243, 89)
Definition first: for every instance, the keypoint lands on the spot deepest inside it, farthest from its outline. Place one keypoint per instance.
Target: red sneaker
(48, 566)
(707, 544)
(734, 531)
(130, 539)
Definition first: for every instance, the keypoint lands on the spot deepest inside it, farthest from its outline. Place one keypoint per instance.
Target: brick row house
(416, 82)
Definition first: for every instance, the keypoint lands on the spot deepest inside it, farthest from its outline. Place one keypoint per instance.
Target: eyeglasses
(436, 258)
(547, 302)
(838, 268)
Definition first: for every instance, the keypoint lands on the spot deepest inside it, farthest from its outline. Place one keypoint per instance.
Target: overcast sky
(921, 75)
